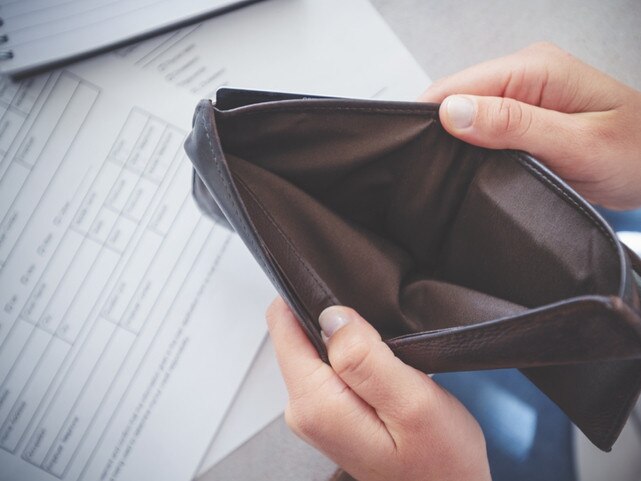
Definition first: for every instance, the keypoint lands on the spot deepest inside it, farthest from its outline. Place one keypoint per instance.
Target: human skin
(580, 122)
(381, 419)
(375, 416)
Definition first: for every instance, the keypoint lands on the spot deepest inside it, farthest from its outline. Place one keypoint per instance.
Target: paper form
(127, 320)
(261, 399)
(118, 300)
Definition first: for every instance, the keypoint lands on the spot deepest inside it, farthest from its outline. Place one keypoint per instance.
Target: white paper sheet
(122, 336)
(326, 47)
(631, 239)
(261, 398)
(119, 301)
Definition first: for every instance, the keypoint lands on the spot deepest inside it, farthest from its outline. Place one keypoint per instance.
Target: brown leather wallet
(463, 258)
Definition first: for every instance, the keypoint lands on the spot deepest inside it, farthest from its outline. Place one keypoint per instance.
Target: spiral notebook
(37, 34)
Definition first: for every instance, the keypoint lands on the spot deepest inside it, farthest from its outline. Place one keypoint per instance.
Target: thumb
(370, 369)
(505, 123)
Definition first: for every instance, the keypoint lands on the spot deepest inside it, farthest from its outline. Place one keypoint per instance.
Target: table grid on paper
(78, 274)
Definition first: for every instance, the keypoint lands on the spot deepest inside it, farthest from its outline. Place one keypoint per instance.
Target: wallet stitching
(624, 330)
(266, 268)
(310, 108)
(543, 316)
(233, 201)
(287, 240)
(566, 196)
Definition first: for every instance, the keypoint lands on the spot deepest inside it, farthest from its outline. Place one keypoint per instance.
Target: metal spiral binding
(4, 38)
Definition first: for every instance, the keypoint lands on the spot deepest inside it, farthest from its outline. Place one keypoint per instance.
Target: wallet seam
(268, 269)
(266, 108)
(289, 242)
(233, 201)
(543, 313)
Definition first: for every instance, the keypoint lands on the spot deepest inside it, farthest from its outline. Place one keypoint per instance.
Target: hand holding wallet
(463, 258)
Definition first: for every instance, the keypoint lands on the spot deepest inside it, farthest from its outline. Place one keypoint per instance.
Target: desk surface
(446, 37)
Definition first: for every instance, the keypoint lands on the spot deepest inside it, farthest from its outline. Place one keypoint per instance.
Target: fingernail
(331, 320)
(460, 111)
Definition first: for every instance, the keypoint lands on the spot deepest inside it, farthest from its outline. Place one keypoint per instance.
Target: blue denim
(528, 437)
(628, 220)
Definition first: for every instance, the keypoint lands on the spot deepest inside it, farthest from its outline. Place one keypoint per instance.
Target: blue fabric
(620, 221)
(528, 437)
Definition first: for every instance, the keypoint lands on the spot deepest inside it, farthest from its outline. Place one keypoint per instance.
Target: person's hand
(375, 416)
(581, 123)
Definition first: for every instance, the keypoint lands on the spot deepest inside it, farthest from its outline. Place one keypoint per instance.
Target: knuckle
(350, 359)
(438, 86)
(544, 47)
(438, 83)
(546, 54)
(509, 117)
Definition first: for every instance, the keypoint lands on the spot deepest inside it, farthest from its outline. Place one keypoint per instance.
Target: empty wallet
(463, 258)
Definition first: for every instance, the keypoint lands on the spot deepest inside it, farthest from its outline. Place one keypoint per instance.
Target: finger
(322, 410)
(486, 78)
(343, 426)
(399, 393)
(541, 74)
(308, 379)
(501, 123)
(521, 75)
(297, 357)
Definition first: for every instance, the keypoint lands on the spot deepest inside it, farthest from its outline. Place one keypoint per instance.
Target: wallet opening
(463, 258)
(416, 230)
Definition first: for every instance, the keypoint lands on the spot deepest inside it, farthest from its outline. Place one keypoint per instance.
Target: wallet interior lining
(414, 231)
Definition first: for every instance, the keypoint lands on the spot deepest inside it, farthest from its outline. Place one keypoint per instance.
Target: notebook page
(38, 33)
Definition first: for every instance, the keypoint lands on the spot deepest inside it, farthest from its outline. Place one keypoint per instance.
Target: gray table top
(447, 36)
